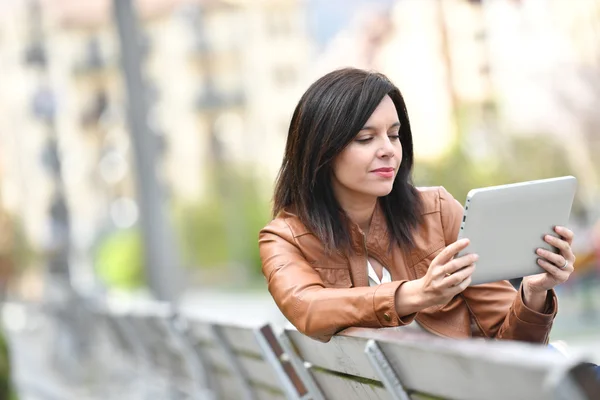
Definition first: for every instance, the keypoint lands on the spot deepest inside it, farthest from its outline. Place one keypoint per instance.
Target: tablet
(506, 224)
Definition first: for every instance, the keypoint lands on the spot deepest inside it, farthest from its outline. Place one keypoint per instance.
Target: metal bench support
(385, 371)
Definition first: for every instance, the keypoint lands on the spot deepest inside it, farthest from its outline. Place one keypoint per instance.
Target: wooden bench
(244, 362)
(188, 358)
(403, 364)
(149, 333)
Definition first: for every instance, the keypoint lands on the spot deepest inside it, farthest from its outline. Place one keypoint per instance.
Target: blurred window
(279, 23)
(284, 75)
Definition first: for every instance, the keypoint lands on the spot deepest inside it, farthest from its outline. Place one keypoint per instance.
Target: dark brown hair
(327, 118)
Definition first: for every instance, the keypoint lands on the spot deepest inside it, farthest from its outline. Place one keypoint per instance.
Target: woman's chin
(380, 191)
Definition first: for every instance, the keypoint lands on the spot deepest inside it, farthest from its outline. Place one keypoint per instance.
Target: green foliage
(514, 159)
(203, 233)
(119, 260)
(457, 173)
(6, 390)
(223, 229)
(536, 157)
(219, 232)
(14, 244)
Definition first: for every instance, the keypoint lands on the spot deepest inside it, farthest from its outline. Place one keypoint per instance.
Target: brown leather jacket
(322, 294)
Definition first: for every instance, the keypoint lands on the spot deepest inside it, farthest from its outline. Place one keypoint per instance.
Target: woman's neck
(360, 212)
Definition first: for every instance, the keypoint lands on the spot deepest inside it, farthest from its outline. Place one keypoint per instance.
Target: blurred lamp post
(161, 262)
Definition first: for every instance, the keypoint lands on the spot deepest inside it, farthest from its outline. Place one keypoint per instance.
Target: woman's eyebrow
(372, 128)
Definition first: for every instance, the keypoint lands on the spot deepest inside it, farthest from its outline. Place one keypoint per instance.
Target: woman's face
(367, 167)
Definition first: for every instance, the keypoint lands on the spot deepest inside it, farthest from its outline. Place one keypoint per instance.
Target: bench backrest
(244, 362)
(148, 329)
(391, 363)
(339, 369)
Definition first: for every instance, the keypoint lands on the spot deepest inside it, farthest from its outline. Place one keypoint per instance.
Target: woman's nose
(386, 149)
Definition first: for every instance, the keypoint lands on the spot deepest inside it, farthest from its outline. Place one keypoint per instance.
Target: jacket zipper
(366, 255)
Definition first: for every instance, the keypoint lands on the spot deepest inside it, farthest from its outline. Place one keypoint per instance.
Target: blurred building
(546, 75)
(433, 50)
(223, 78)
(26, 184)
(486, 70)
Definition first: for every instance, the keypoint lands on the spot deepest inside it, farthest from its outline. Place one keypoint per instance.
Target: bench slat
(336, 387)
(462, 368)
(446, 368)
(256, 370)
(241, 339)
(228, 390)
(200, 331)
(342, 354)
(259, 371)
(226, 387)
(264, 394)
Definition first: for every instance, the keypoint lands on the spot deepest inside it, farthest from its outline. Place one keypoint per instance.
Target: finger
(459, 263)
(450, 251)
(556, 259)
(565, 233)
(462, 286)
(456, 278)
(558, 273)
(559, 243)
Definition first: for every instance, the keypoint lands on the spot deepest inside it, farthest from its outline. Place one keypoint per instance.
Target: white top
(386, 278)
(374, 279)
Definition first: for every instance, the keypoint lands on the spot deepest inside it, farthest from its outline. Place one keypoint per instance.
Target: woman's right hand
(447, 276)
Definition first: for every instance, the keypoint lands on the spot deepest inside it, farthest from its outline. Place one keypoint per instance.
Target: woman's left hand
(558, 266)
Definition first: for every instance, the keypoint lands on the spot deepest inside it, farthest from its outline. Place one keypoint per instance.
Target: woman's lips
(384, 172)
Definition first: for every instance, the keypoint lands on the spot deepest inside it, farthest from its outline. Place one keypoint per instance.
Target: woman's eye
(394, 137)
(364, 140)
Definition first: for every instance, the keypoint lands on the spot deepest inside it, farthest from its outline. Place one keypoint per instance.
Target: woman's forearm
(534, 300)
(409, 298)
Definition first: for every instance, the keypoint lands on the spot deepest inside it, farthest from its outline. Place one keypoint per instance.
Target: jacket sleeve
(302, 297)
(497, 308)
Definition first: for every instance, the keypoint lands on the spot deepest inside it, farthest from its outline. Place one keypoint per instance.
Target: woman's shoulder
(285, 224)
(441, 211)
(435, 199)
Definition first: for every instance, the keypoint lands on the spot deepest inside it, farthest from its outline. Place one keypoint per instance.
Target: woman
(354, 243)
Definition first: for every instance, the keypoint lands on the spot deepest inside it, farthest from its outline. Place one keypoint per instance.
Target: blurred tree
(6, 390)
(204, 234)
(118, 260)
(524, 158)
(15, 254)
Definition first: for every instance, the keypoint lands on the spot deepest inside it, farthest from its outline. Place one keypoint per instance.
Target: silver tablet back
(506, 224)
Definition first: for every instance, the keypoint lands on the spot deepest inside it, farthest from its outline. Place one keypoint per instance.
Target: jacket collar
(375, 243)
(374, 240)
